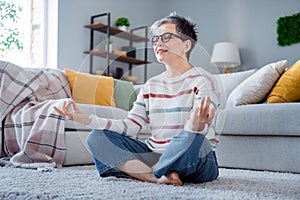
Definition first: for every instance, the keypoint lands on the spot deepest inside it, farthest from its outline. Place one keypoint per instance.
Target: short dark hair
(185, 27)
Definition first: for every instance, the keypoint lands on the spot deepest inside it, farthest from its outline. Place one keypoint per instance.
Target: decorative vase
(123, 28)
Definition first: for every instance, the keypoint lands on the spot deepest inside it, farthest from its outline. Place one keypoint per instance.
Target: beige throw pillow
(255, 88)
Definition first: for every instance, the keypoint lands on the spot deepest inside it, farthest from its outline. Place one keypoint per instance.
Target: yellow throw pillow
(91, 89)
(287, 89)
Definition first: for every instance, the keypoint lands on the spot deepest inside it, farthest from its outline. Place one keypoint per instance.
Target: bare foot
(171, 179)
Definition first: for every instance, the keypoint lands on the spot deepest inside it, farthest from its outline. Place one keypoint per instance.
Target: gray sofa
(252, 135)
(260, 136)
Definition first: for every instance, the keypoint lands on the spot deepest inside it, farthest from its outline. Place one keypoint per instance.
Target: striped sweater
(166, 105)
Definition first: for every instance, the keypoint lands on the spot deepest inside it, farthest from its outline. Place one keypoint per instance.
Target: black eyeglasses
(166, 37)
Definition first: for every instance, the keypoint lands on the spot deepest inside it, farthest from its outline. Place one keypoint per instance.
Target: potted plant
(122, 23)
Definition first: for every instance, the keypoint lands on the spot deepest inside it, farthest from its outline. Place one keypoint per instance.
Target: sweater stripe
(140, 104)
(140, 117)
(135, 122)
(108, 125)
(170, 110)
(147, 96)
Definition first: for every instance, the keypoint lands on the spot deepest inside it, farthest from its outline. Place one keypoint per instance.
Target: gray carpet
(84, 183)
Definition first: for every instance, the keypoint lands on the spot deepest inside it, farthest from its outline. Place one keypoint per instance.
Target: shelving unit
(113, 31)
(112, 56)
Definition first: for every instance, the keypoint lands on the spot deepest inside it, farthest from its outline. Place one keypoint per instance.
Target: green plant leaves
(122, 21)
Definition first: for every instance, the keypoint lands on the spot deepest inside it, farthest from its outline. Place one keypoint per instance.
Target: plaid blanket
(32, 133)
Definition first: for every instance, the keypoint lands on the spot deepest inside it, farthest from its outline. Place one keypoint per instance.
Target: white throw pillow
(255, 88)
(227, 82)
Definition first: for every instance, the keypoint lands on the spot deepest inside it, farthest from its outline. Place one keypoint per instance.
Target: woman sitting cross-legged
(178, 105)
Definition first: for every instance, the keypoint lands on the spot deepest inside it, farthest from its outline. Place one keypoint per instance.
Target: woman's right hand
(72, 114)
(202, 115)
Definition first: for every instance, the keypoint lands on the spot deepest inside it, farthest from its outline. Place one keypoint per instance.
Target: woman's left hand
(202, 115)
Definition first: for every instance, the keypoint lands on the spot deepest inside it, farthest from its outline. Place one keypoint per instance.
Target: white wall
(249, 23)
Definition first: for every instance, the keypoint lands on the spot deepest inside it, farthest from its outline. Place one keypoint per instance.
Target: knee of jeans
(93, 138)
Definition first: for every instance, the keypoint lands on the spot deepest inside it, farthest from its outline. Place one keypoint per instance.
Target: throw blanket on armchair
(32, 134)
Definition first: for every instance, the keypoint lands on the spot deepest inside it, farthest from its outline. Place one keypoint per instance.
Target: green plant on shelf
(122, 21)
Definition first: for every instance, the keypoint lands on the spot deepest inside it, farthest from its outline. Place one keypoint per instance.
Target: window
(37, 25)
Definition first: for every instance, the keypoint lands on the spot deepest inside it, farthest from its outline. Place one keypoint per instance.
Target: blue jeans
(189, 154)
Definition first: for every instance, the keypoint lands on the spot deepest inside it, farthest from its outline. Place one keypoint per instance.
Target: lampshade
(225, 54)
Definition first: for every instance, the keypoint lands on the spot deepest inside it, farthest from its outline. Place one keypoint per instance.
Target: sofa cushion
(256, 88)
(91, 89)
(259, 119)
(287, 89)
(227, 82)
(124, 94)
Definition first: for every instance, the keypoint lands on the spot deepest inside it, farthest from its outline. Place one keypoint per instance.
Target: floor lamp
(226, 55)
